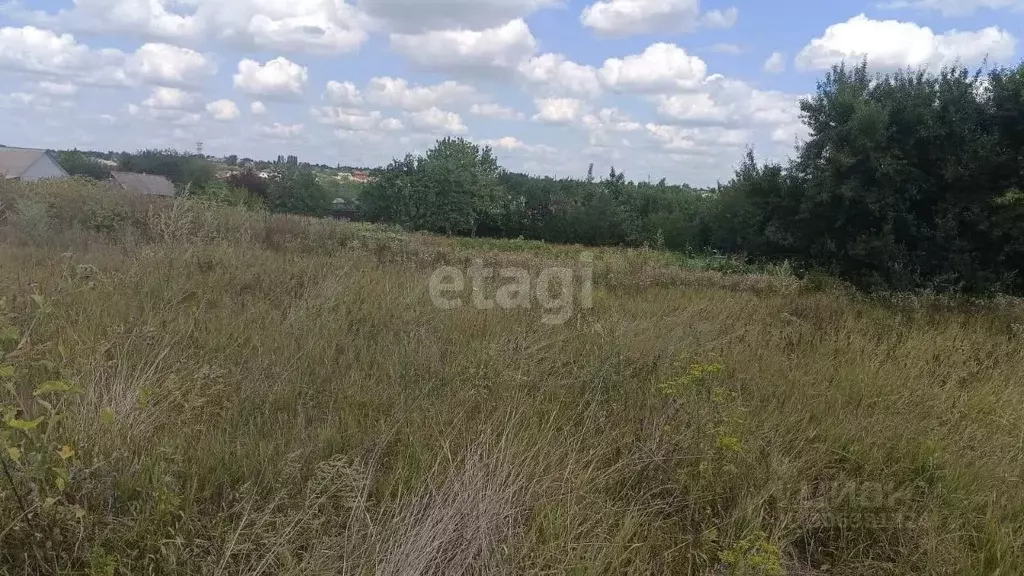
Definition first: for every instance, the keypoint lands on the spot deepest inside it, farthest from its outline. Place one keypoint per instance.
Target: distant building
(345, 210)
(148, 184)
(29, 164)
(361, 177)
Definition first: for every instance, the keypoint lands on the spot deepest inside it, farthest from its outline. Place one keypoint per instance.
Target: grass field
(190, 389)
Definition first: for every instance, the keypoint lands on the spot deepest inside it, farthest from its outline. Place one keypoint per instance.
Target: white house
(29, 164)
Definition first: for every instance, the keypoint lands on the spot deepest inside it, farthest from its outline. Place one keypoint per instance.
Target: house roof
(144, 183)
(16, 161)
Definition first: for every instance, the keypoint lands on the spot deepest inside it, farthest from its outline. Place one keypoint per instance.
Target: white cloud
(313, 26)
(278, 77)
(223, 110)
(280, 131)
(169, 65)
(140, 18)
(631, 17)
(43, 52)
(424, 15)
(776, 63)
(554, 75)
(726, 48)
(610, 119)
(37, 51)
(166, 98)
(258, 108)
(343, 94)
(698, 140)
(392, 125)
(609, 127)
(721, 18)
(499, 47)
(18, 99)
(58, 88)
(559, 110)
(347, 119)
(724, 101)
(890, 44)
(496, 111)
(165, 112)
(661, 67)
(957, 7)
(398, 93)
(513, 144)
(437, 121)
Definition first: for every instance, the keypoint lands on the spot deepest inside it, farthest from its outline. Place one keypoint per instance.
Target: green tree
(453, 189)
(77, 163)
(298, 191)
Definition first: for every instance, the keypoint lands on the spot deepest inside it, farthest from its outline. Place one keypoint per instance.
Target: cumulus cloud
(437, 121)
(313, 26)
(169, 65)
(697, 140)
(631, 17)
(956, 7)
(495, 111)
(513, 144)
(279, 77)
(559, 110)
(392, 125)
(343, 94)
(891, 44)
(223, 110)
(140, 18)
(726, 48)
(555, 75)
(43, 52)
(725, 101)
(167, 106)
(461, 49)
(163, 97)
(609, 127)
(347, 118)
(424, 15)
(776, 63)
(18, 99)
(398, 93)
(661, 67)
(280, 131)
(57, 88)
(258, 108)
(721, 18)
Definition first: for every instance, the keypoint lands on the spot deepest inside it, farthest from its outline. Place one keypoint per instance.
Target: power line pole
(199, 149)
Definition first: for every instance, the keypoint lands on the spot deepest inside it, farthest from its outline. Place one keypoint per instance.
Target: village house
(29, 164)
(148, 184)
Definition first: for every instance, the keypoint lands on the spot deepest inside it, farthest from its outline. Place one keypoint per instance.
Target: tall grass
(257, 394)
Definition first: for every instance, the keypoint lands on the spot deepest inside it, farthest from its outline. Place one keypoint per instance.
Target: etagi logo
(553, 288)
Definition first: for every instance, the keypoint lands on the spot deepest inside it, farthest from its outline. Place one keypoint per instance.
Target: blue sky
(673, 88)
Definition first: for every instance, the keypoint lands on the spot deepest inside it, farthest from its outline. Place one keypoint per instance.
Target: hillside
(190, 388)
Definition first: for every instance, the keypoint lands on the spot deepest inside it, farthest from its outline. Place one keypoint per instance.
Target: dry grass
(275, 395)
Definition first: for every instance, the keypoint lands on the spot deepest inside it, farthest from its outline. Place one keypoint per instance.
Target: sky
(656, 88)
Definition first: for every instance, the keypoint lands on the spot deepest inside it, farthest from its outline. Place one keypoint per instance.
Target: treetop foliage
(909, 180)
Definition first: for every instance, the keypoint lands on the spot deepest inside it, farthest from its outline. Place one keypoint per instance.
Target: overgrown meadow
(194, 389)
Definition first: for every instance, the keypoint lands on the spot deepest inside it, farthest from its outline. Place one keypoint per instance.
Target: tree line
(298, 188)
(908, 180)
